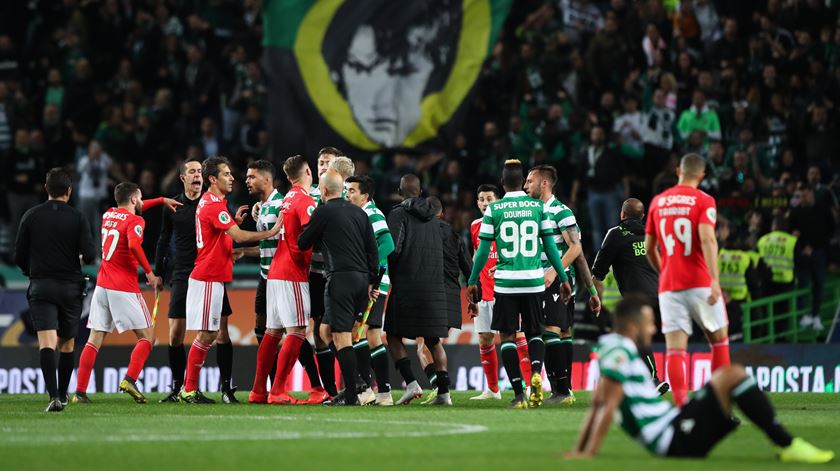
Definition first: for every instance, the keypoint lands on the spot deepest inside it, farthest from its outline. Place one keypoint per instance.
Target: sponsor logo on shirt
(677, 199)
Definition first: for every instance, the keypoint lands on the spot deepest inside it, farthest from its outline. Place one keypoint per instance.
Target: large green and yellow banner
(371, 75)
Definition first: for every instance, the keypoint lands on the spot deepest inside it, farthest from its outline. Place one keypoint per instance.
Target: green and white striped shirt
(516, 223)
(317, 264)
(380, 229)
(643, 414)
(562, 219)
(269, 212)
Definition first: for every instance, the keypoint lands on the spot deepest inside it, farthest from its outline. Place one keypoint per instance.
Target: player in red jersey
(287, 289)
(116, 300)
(215, 232)
(484, 312)
(681, 225)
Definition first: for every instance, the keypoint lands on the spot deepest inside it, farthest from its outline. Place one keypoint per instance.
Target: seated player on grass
(690, 431)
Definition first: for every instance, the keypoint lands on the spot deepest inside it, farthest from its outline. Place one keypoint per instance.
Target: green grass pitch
(118, 434)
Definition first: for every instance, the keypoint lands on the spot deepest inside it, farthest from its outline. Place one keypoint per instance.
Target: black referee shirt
(49, 241)
(347, 238)
(181, 223)
(624, 250)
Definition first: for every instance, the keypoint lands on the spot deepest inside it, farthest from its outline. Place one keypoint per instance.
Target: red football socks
(524, 359)
(266, 356)
(676, 360)
(720, 354)
(195, 360)
(286, 360)
(138, 358)
(490, 363)
(86, 361)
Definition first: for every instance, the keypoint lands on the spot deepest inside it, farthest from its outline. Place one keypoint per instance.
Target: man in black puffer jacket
(417, 304)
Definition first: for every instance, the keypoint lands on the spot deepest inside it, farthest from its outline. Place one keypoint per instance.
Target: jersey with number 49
(674, 218)
(118, 270)
(214, 259)
(516, 223)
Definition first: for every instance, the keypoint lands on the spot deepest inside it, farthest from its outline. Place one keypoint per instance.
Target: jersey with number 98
(118, 270)
(214, 255)
(673, 218)
(516, 223)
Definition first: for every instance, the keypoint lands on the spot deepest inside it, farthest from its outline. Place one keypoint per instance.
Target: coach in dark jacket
(456, 261)
(417, 304)
(624, 250)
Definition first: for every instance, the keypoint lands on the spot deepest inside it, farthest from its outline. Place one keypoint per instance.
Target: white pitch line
(205, 435)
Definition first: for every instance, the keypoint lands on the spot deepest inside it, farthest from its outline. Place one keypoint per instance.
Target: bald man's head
(632, 209)
(331, 185)
(409, 186)
(692, 167)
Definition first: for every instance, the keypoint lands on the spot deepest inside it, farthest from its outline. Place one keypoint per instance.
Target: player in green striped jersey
(260, 182)
(317, 283)
(370, 351)
(559, 317)
(691, 431)
(516, 223)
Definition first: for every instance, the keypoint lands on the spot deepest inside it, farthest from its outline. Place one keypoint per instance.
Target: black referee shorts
(226, 309)
(377, 312)
(317, 285)
(260, 300)
(346, 295)
(558, 314)
(700, 425)
(513, 313)
(178, 296)
(56, 305)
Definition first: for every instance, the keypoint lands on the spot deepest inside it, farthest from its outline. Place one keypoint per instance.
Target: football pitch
(115, 432)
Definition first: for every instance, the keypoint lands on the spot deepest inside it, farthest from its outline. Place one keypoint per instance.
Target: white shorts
(287, 304)
(678, 308)
(485, 317)
(125, 311)
(204, 304)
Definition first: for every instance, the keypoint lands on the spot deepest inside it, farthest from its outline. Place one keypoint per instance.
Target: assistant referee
(623, 250)
(351, 256)
(49, 241)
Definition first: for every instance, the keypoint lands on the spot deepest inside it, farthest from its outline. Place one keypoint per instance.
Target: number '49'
(682, 231)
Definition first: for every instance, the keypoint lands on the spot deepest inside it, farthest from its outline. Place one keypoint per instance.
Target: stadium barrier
(775, 319)
(776, 368)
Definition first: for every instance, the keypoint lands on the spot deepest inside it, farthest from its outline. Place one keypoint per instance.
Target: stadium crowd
(610, 92)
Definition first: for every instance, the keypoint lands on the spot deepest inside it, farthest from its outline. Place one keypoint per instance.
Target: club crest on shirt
(711, 213)
(138, 230)
(224, 217)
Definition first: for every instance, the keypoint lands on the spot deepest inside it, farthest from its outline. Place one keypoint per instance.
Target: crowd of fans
(609, 92)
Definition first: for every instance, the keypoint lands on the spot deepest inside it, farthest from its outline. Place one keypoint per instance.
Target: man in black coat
(623, 250)
(456, 261)
(417, 305)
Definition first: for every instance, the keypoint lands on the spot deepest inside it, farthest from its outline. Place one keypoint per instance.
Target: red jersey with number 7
(118, 270)
(674, 217)
(214, 247)
(290, 263)
(488, 284)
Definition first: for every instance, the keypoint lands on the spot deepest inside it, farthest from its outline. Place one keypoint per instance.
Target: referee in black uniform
(176, 267)
(50, 238)
(352, 264)
(623, 250)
